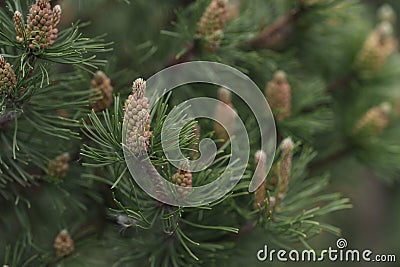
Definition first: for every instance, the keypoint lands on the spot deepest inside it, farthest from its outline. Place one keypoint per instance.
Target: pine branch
(9, 116)
(186, 56)
(340, 83)
(272, 36)
(323, 163)
(278, 32)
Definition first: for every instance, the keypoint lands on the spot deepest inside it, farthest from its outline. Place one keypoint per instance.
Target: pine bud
(386, 13)
(225, 95)
(63, 244)
(272, 203)
(379, 45)
(56, 15)
(59, 166)
(183, 178)
(375, 120)
(260, 173)
(285, 164)
(137, 117)
(8, 80)
(19, 26)
(101, 97)
(41, 28)
(211, 24)
(279, 96)
(226, 117)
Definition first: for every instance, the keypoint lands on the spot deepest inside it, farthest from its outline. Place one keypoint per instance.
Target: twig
(277, 32)
(9, 116)
(328, 160)
(186, 56)
(340, 83)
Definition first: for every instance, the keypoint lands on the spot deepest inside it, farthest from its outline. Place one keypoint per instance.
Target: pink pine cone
(137, 118)
(42, 21)
(8, 80)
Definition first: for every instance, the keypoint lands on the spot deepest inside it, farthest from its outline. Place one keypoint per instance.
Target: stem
(6, 118)
(330, 159)
(279, 31)
(186, 56)
(340, 83)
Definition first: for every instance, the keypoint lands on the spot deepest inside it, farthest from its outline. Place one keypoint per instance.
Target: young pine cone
(260, 173)
(59, 166)
(375, 120)
(63, 244)
(101, 97)
(380, 44)
(41, 24)
(279, 96)
(386, 13)
(183, 178)
(137, 119)
(285, 164)
(8, 80)
(211, 24)
(19, 26)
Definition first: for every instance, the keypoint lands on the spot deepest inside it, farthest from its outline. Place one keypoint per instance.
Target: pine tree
(74, 110)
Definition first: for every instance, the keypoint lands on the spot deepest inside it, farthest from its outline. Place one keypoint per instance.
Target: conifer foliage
(71, 106)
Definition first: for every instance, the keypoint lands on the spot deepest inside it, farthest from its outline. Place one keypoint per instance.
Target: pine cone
(8, 80)
(380, 44)
(59, 166)
(137, 118)
(375, 120)
(42, 21)
(183, 178)
(261, 160)
(386, 13)
(56, 17)
(272, 203)
(63, 244)
(102, 92)
(19, 26)
(279, 96)
(211, 24)
(285, 164)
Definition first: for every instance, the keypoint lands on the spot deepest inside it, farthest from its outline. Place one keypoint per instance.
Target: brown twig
(186, 56)
(340, 83)
(328, 160)
(276, 33)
